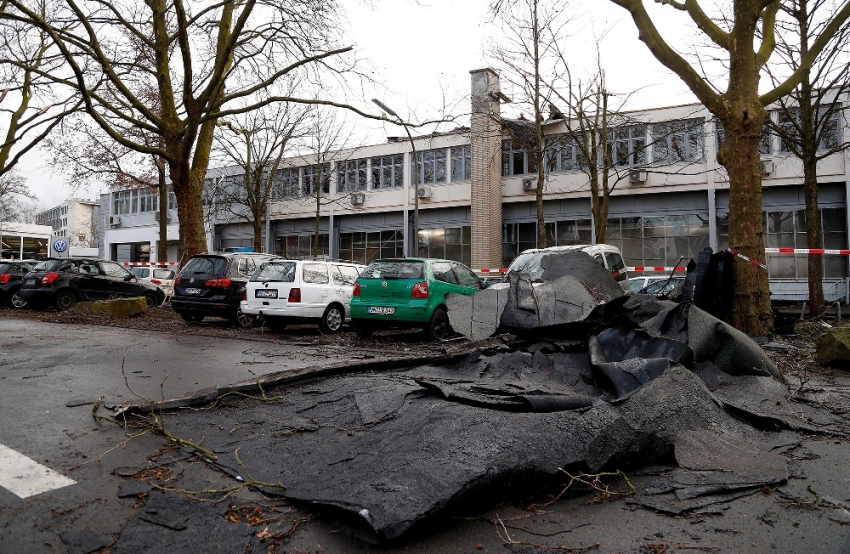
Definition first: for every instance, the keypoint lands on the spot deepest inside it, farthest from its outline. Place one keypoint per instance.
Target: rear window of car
(49, 265)
(205, 265)
(8, 268)
(283, 272)
(394, 270)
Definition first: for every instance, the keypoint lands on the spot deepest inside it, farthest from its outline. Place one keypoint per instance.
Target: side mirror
(129, 277)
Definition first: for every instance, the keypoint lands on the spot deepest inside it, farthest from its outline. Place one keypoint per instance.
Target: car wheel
(191, 318)
(151, 300)
(16, 301)
(65, 300)
(363, 330)
(332, 319)
(243, 320)
(438, 328)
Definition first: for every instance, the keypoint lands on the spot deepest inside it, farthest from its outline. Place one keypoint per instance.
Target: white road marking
(25, 477)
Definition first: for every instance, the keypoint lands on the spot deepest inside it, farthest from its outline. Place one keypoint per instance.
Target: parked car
(409, 292)
(159, 276)
(655, 285)
(285, 291)
(608, 256)
(11, 274)
(62, 282)
(213, 284)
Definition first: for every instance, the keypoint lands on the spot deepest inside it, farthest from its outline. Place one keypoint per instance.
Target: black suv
(213, 284)
(62, 282)
(11, 274)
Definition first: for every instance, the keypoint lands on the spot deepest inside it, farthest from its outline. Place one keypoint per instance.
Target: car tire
(332, 319)
(243, 320)
(438, 327)
(16, 302)
(65, 300)
(191, 318)
(363, 329)
(151, 300)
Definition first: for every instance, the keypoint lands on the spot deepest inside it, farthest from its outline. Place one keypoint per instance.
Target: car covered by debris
(609, 257)
(409, 293)
(656, 286)
(62, 282)
(285, 291)
(213, 284)
(11, 274)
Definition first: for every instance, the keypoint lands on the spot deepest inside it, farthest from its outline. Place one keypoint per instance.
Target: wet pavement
(142, 494)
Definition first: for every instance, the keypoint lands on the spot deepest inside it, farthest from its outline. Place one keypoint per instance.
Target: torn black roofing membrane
(647, 379)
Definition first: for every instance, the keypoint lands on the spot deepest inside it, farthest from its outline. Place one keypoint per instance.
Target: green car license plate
(381, 310)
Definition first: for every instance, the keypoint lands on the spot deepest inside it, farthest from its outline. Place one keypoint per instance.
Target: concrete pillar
(486, 158)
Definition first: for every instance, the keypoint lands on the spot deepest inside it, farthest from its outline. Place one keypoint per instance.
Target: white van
(285, 291)
(608, 257)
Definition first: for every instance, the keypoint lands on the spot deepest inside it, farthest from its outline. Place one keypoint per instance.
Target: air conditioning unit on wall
(358, 197)
(424, 192)
(766, 167)
(115, 220)
(637, 176)
(528, 185)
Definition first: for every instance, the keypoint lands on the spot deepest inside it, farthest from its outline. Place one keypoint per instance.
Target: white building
(476, 204)
(22, 241)
(76, 219)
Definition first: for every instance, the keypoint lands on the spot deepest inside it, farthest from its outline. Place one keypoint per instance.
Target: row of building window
(661, 144)
(139, 201)
(381, 172)
(644, 241)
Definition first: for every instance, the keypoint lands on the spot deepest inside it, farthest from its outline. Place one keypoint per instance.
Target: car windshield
(205, 265)
(275, 271)
(163, 274)
(389, 270)
(528, 263)
(140, 271)
(49, 265)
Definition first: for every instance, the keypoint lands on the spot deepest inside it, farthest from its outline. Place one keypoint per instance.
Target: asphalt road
(45, 366)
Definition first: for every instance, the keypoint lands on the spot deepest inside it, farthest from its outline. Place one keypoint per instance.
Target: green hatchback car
(409, 292)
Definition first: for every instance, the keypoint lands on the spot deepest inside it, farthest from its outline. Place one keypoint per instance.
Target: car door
(444, 281)
(315, 287)
(343, 277)
(467, 279)
(85, 277)
(117, 282)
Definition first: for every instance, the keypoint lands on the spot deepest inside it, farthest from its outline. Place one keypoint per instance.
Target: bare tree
(256, 142)
(31, 105)
(205, 61)
(531, 31)
(811, 115)
(741, 109)
(14, 195)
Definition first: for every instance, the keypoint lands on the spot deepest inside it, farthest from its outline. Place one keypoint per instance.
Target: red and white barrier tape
(806, 251)
(659, 268)
(748, 259)
(158, 264)
(491, 270)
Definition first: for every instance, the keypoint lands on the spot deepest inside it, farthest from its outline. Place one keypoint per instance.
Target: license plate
(30, 281)
(263, 293)
(381, 310)
(193, 291)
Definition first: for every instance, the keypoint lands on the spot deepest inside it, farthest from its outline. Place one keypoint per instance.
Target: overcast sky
(421, 50)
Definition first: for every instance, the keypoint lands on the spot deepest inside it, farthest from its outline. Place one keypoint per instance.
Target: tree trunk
(751, 310)
(162, 255)
(813, 238)
(257, 224)
(187, 189)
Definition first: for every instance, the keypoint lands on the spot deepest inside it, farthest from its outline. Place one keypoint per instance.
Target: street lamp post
(389, 111)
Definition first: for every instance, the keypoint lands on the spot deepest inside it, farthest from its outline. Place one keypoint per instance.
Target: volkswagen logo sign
(60, 245)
